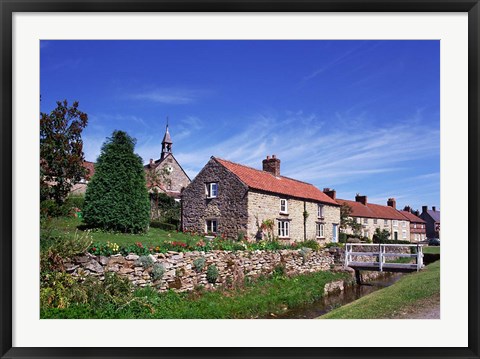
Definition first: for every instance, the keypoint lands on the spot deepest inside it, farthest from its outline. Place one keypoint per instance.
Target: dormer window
(212, 190)
(320, 210)
(283, 206)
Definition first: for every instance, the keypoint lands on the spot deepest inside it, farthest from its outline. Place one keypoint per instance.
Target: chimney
(407, 208)
(417, 213)
(424, 209)
(330, 193)
(361, 199)
(272, 165)
(392, 203)
(433, 208)
(151, 162)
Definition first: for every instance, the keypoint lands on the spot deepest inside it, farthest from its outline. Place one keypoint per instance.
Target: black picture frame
(8, 7)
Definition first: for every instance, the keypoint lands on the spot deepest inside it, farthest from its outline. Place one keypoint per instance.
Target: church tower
(166, 145)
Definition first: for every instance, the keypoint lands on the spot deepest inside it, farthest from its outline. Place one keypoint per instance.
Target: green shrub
(334, 245)
(279, 270)
(50, 208)
(240, 236)
(162, 225)
(158, 271)
(74, 202)
(212, 273)
(117, 197)
(199, 264)
(311, 243)
(343, 238)
(145, 261)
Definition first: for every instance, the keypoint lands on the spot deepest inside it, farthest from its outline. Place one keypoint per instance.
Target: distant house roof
(371, 210)
(265, 181)
(411, 217)
(434, 214)
(90, 167)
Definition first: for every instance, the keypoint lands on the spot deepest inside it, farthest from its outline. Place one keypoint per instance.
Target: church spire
(166, 144)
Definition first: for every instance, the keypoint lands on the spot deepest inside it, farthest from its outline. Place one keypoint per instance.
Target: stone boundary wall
(180, 272)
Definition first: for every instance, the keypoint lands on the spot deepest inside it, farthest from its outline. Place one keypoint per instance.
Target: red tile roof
(265, 181)
(90, 166)
(372, 210)
(412, 218)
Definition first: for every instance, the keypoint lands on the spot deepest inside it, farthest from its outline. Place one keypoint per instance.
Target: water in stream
(335, 300)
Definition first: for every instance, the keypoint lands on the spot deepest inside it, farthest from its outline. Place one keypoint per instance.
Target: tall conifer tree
(117, 196)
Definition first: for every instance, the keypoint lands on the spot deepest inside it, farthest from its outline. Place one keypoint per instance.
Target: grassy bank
(256, 300)
(431, 249)
(64, 226)
(386, 303)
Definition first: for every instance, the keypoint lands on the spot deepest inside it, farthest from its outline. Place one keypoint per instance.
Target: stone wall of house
(182, 275)
(368, 229)
(229, 208)
(177, 178)
(263, 206)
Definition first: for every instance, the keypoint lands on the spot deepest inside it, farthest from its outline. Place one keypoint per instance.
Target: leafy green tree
(380, 236)
(61, 150)
(117, 196)
(346, 221)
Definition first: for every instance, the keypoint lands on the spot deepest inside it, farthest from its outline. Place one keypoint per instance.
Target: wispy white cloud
(170, 96)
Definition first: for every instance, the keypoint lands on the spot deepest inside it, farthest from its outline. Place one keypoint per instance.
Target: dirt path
(428, 308)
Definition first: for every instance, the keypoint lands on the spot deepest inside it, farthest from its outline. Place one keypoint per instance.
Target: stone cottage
(417, 225)
(432, 220)
(165, 175)
(372, 216)
(232, 199)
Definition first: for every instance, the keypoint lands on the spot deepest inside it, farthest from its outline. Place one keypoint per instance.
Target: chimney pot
(272, 165)
(392, 203)
(424, 209)
(268, 157)
(361, 199)
(433, 208)
(330, 193)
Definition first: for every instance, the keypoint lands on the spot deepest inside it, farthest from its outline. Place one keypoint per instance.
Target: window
(359, 220)
(404, 234)
(385, 222)
(375, 221)
(365, 220)
(404, 224)
(212, 190)
(320, 230)
(283, 229)
(395, 223)
(414, 225)
(320, 211)
(211, 226)
(283, 206)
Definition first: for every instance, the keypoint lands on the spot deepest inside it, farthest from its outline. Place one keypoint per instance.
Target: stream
(335, 300)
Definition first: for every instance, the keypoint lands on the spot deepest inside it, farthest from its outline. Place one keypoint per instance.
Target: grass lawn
(257, 300)
(410, 290)
(432, 249)
(155, 236)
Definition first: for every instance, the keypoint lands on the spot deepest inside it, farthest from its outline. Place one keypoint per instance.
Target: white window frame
(404, 224)
(283, 229)
(359, 220)
(404, 234)
(320, 210)
(385, 222)
(320, 230)
(414, 225)
(284, 205)
(209, 189)
(395, 223)
(365, 221)
(375, 221)
(212, 227)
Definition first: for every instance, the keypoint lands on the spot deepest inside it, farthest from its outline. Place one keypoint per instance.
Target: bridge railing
(378, 252)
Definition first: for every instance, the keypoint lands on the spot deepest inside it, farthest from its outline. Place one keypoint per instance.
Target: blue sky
(358, 116)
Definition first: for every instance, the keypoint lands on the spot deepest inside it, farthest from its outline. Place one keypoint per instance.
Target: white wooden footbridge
(383, 260)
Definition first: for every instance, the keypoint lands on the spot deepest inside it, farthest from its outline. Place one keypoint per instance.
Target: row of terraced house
(231, 198)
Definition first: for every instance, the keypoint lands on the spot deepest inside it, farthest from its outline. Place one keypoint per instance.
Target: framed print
(227, 178)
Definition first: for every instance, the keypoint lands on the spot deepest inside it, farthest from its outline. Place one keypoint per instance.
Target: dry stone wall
(181, 273)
